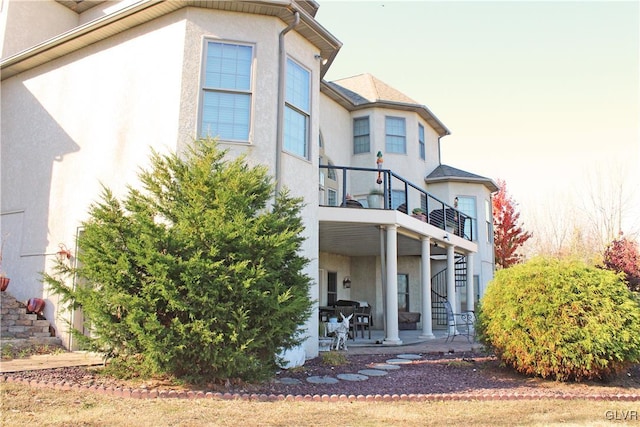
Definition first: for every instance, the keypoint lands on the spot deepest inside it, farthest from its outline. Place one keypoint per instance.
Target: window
(421, 141)
(467, 205)
(332, 197)
(403, 292)
(226, 102)
(332, 287)
(489, 218)
(397, 198)
(297, 109)
(395, 135)
(423, 203)
(361, 139)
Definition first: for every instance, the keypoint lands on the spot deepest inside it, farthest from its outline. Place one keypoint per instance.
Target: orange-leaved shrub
(561, 319)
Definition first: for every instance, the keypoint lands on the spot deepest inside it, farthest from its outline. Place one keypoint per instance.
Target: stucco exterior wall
(86, 119)
(484, 258)
(27, 23)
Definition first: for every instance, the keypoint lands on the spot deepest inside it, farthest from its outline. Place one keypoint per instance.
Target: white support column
(470, 287)
(451, 282)
(392, 334)
(427, 327)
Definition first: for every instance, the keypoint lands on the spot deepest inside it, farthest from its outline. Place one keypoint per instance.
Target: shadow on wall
(32, 141)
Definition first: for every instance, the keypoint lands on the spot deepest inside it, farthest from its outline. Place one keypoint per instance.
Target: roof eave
(487, 182)
(146, 10)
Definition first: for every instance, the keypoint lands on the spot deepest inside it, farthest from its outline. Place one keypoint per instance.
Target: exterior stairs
(20, 328)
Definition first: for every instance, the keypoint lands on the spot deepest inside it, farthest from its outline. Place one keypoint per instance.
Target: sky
(540, 94)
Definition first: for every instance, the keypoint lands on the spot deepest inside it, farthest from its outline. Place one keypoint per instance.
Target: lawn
(25, 405)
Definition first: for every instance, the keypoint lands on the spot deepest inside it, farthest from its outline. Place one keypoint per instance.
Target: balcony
(347, 212)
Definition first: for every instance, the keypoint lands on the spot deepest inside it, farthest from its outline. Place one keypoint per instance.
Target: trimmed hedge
(561, 319)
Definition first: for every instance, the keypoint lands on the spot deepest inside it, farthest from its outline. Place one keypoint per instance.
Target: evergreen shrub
(560, 319)
(198, 274)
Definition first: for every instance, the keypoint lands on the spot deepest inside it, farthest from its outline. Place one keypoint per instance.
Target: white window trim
(202, 90)
(307, 114)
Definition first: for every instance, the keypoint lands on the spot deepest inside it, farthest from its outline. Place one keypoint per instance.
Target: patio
(411, 342)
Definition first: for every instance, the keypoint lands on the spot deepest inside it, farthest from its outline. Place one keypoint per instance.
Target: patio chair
(463, 320)
(363, 320)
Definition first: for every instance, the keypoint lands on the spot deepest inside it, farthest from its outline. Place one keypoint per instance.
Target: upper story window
(297, 109)
(421, 141)
(398, 197)
(361, 140)
(396, 135)
(226, 102)
(467, 205)
(489, 220)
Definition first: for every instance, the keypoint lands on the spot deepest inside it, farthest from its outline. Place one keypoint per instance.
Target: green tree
(561, 319)
(194, 275)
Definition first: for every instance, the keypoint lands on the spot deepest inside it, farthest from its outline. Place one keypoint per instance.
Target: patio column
(451, 282)
(427, 327)
(470, 288)
(392, 333)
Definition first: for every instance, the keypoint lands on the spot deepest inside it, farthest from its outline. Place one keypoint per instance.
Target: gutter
(281, 95)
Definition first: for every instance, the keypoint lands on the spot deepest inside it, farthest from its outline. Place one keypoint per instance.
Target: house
(89, 86)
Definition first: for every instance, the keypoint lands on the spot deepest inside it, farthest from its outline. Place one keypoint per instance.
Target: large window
(421, 142)
(467, 205)
(226, 103)
(297, 109)
(396, 135)
(361, 140)
(403, 292)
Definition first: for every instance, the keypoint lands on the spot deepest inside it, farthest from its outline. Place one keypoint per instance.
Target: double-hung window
(467, 205)
(361, 140)
(396, 135)
(297, 109)
(226, 101)
(421, 141)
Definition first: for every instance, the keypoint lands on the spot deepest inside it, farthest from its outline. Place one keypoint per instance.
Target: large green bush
(561, 319)
(198, 275)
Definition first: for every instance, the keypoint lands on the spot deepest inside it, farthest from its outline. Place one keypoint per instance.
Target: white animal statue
(342, 333)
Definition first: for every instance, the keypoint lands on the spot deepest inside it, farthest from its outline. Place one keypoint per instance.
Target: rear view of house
(89, 87)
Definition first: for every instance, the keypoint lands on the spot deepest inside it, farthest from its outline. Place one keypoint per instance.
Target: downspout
(281, 94)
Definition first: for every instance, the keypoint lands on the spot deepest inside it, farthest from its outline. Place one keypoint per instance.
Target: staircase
(439, 289)
(20, 328)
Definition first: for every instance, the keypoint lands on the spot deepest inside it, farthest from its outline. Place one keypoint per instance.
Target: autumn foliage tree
(621, 256)
(508, 235)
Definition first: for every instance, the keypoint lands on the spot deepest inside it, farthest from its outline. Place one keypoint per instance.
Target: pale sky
(535, 93)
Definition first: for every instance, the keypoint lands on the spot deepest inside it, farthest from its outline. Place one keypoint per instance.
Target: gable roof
(366, 91)
(448, 173)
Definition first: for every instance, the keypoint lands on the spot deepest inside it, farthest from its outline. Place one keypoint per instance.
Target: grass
(22, 405)
(9, 351)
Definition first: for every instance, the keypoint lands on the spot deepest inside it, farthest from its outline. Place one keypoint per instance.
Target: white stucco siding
(336, 125)
(79, 121)
(483, 259)
(27, 23)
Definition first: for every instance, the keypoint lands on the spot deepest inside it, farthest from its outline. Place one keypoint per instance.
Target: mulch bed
(469, 376)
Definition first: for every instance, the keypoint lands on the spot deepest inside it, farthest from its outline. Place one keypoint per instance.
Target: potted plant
(4, 280)
(419, 214)
(375, 199)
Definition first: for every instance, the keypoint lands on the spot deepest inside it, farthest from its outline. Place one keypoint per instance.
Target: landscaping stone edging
(172, 394)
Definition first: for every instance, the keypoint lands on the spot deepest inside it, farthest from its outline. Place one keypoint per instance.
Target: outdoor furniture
(363, 320)
(453, 220)
(408, 321)
(464, 320)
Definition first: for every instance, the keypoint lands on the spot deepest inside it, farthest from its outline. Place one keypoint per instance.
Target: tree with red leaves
(508, 236)
(622, 255)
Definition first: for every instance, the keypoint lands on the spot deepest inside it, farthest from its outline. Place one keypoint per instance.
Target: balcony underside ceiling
(356, 232)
